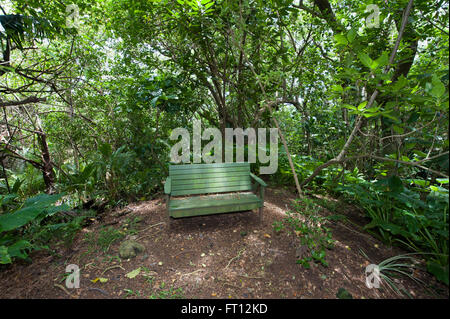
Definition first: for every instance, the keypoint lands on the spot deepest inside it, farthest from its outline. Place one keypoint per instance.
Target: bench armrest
(258, 180)
(168, 185)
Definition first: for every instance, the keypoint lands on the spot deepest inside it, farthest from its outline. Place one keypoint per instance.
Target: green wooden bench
(244, 191)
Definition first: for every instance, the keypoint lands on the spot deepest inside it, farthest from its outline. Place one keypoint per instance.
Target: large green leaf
(390, 227)
(32, 208)
(19, 218)
(392, 185)
(340, 39)
(42, 200)
(440, 272)
(365, 59)
(381, 61)
(351, 35)
(438, 87)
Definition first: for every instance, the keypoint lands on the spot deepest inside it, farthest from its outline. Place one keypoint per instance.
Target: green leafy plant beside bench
(32, 224)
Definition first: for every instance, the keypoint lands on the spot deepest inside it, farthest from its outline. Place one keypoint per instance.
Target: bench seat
(220, 203)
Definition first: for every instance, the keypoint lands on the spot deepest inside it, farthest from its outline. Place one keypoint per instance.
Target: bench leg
(260, 213)
(168, 219)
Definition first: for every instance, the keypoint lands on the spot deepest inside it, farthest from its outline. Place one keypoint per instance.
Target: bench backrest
(209, 178)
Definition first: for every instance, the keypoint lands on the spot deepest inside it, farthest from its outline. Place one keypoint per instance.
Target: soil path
(219, 256)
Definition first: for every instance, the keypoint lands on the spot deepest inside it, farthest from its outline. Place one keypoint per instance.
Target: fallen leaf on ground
(102, 280)
(134, 273)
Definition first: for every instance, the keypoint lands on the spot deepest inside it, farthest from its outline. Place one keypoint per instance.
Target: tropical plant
(311, 229)
(14, 223)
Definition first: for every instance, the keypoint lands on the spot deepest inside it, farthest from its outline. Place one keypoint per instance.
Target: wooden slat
(207, 182)
(213, 200)
(213, 210)
(209, 170)
(208, 175)
(207, 190)
(168, 185)
(210, 184)
(211, 178)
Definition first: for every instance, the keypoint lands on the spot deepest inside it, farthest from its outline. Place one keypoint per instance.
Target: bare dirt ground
(218, 256)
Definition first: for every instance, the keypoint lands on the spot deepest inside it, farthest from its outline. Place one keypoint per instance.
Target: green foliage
(397, 214)
(305, 222)
(32, 224)
(399, 265)
(118, 175)
(103, 239)
(343, 294)
(130, 225)
(170, 293)
(16, 27)
(25, 180)
(328, 179)
(32, 208)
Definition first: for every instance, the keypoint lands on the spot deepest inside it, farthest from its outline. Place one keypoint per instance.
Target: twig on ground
(151, 226)
(63, 289)
(224, 282)
(251, 277)
(112, 267)
(235, 257)
(191, 273)
(122, 213)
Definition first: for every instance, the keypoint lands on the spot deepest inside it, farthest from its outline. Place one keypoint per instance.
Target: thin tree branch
(28, 100)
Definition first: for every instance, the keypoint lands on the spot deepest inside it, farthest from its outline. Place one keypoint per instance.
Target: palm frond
(17, 27)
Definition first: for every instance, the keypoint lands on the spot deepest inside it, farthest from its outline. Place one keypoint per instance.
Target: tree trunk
(47, 167)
